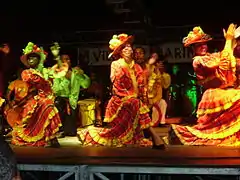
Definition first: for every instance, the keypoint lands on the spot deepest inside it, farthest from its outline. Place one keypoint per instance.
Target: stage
(89, 162)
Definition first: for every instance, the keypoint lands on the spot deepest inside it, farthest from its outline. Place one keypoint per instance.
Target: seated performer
(126, 114)
(157, 80)
(66, 87)
(40, 120)
(218, 111)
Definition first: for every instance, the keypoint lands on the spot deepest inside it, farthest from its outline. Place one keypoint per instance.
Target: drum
(19, 89)
(156, 115)
(86, 112)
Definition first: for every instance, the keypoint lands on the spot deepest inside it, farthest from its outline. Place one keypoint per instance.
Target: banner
(94, 56)
(175, 53)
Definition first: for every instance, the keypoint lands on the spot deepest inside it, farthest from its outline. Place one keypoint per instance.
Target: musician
(157, 80)
(67, 89)
(139, 57)
(95, 90)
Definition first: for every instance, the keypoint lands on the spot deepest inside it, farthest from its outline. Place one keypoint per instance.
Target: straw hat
(196, 36)
(118, 42)
(31, 49)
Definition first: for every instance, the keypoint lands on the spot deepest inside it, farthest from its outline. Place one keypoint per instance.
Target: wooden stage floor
(175, 160)
(71, 153)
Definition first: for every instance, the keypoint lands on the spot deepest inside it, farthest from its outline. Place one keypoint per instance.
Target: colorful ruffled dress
(126, 115)
(40, 120)
(219, 109)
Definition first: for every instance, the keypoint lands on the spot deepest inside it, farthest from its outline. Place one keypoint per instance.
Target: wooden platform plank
(174, 155)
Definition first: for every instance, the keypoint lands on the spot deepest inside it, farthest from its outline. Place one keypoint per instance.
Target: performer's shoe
(71, 134)
(61, 135)
(160, 146)
(173, 138)
(54, 143)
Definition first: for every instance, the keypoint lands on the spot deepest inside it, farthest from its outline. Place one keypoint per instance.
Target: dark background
(45, 21)
(93, 22)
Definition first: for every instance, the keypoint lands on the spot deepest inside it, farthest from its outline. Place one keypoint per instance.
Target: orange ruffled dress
(219, 109)
(126, 114)
(40, 120)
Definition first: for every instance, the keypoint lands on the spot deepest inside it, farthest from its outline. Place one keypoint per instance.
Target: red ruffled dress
(126, 114)
(40, 120)
(219, 109)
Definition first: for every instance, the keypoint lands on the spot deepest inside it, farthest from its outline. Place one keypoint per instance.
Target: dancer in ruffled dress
(40, 120)
(218, 112)
(126, 113)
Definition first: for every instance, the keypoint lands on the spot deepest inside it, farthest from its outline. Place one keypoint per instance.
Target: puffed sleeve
(212, 61)
(114, 70)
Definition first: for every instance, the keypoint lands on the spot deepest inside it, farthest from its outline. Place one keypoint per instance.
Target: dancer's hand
(229, 35)
(55, 49)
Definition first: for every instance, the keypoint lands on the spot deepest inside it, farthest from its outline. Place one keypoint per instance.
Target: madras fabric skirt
(218, 120)
(126, 119)
(40, 123)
